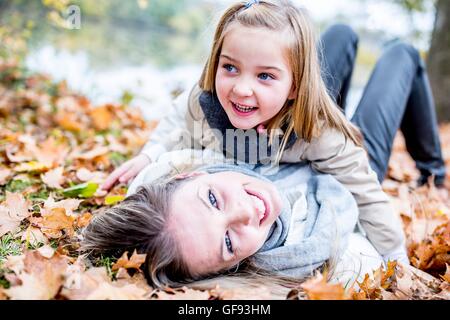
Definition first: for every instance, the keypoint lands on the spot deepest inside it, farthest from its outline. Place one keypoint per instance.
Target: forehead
(188, 218)
(258, 42)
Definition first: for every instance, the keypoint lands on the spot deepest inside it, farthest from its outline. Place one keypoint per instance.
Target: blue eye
(212, 199)
(229, 67)
(265, 76)
(228, 243)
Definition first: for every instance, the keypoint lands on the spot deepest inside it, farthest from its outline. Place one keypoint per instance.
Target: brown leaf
(54, 178)
(5, 174)
(134, 262)
(69, 205)
(183, 293)
(56, 221)
(317, 288)
(242, 293)
(40, 279)
(84, 219)
(12, 211)
(101, 117)
(94, 284)
(446, 276)
(34, 236)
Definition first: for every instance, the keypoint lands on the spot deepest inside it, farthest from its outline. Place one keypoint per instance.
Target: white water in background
(151, 86)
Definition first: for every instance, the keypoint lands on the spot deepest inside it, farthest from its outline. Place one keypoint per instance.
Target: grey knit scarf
(331, 216)
(243, 142)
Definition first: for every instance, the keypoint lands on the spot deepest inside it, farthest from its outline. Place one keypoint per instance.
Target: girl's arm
(334, 154)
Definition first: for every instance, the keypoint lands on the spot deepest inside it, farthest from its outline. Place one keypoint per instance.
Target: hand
(126, 172)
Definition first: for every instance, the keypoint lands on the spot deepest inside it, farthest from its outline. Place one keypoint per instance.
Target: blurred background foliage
(171, 33)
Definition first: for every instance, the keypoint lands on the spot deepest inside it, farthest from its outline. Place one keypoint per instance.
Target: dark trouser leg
(421, 131)
(337, 53)
(397, 94)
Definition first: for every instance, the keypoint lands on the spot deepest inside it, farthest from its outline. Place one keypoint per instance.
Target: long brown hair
(140, 222)
(313, 109)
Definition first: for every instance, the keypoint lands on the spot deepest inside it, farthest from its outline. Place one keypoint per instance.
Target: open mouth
(261, 206)
(243, 110)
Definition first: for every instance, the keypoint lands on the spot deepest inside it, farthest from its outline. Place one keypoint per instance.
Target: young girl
(263, 77)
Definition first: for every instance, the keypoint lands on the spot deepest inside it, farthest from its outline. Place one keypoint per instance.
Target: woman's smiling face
(222, 218)
(253, 78)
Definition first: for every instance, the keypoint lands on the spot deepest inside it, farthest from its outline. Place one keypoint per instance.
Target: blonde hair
(313, 109)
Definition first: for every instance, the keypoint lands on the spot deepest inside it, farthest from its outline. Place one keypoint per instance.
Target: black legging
(397, 96)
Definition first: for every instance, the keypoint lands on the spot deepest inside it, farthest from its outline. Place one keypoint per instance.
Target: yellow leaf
(31, 166)
(109, 200)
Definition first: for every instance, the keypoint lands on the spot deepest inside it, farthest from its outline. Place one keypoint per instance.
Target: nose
(242, 214)
(242, 88)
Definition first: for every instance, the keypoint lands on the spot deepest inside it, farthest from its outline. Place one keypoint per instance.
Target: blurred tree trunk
(439, 60)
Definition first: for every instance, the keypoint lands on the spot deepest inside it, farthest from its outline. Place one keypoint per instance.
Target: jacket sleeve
(172, 132)
(334, 154)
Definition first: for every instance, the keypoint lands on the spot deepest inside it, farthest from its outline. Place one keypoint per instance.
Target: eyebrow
(220, 255)
(259, 67)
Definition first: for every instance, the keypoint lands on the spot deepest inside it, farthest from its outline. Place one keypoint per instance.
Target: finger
(128, 175)
(112, 178)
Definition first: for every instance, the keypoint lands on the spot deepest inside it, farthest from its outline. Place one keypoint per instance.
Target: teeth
(242, 108)
(259, 206)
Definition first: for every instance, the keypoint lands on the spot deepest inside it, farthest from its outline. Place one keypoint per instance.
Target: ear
(292, 93)
(185, 175)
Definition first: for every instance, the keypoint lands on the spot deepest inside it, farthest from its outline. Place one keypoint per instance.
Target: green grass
(106, 262)
(9, 247)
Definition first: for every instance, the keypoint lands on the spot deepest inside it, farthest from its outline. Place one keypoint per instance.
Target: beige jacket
(185, 126)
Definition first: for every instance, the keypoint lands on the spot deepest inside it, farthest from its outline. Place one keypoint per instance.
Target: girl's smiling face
(222, 218)
(253, 79)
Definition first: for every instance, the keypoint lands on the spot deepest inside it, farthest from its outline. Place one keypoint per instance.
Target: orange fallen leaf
(41, 278)
(446, 276)
(134, 262)
(12, 211)
(54, 178)
(318, 288)
(101, 117)
(183, 293)
(54, 222)
(5, 174)
(84, 219)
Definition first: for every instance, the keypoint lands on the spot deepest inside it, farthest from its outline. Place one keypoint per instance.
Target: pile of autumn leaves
(55, 150)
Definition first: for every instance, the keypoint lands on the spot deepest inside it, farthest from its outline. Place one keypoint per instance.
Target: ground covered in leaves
(55, 150)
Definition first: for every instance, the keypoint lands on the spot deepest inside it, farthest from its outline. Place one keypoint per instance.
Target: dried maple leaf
(34, 236)
(2, 294)
(56, 221)
(51, 153)
(412, 283)
(84, 219)
(242, 293)
(183, 293)
(94, 284)
(318, 288)
(5, 174)
(67, 204)
(54, 178)
(101, 117)
(134, 262)
(446, 276)
(12, 211)
(40, 279)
